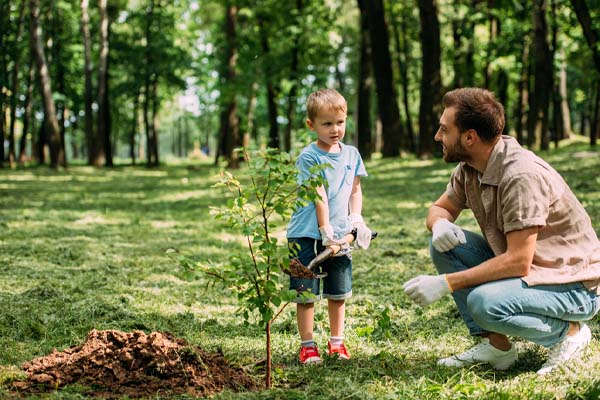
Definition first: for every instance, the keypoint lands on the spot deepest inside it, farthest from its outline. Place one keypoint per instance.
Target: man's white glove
(363, 234)
(425, 289)
(328, 238)
(446, 235)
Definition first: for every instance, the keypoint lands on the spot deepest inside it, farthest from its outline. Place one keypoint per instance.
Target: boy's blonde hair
(328, 99)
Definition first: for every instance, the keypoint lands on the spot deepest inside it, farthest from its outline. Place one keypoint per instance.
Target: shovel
(299, 270)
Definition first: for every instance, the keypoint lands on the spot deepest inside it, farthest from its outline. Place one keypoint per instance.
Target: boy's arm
(355, 205)
(322, 207)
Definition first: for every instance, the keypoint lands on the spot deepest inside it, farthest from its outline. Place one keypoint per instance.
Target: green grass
(84, 249)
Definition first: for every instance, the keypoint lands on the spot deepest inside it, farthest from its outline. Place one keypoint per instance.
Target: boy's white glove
(328, 238)
(446, 235)
(425, 289)
(363, 234)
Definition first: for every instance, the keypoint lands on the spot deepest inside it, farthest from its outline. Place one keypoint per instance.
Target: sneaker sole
(312, 360)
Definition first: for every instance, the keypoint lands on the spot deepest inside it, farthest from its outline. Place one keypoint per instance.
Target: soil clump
(112, 364)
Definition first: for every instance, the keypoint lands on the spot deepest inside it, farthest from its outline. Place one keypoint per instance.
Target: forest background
(141, 81)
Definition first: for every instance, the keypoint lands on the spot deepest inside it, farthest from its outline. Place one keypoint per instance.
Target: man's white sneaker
(566, 350)
(482, 353)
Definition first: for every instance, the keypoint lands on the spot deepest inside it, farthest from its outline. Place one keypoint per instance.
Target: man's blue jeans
(540, 314)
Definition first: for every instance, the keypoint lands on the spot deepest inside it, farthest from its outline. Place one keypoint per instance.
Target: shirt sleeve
(304, 163)
(360, 169)
(525, 201)
(455, 190)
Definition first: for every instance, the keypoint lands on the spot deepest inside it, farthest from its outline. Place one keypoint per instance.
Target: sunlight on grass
(85, 248)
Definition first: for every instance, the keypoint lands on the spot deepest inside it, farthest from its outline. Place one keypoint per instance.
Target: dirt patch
(113, 363)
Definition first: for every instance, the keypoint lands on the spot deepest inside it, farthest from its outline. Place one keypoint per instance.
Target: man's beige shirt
(519, 190)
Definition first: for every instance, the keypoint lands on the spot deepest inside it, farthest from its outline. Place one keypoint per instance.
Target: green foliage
(84, 249)
(254, 211)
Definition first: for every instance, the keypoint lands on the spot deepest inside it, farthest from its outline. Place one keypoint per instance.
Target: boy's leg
(305, 315)
(463, 257)
(337, 287)
(336, 310)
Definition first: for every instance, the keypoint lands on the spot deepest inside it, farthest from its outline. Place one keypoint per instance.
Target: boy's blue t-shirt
(346, 165)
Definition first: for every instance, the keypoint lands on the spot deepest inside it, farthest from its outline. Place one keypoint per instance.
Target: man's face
(450, 137)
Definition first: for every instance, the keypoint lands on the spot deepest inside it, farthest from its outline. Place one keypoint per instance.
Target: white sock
(336, 340)
(308, 343)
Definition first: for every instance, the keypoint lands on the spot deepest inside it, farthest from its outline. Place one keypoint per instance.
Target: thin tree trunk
(57, 59)
(291, 106)
(591, 34)
(595, 123)
(387, 104)
(102, 130)
(88, 96)
(539, 101)
(402, 52)
(229, 123)
(430, 105)
(134, 125)
(57, 157)
(564, 101)
(15, 89)
(365, 88)
(155, 104)
(4, 30)
(271, 94)
(27, 114)
(250, 116)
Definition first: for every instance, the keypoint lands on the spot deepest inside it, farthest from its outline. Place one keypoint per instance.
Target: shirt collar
(493, 170)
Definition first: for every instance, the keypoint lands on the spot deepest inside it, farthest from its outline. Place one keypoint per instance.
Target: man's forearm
(435, 213)
(500, 267)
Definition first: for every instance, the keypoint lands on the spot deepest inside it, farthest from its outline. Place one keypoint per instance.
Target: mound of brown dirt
(113, 363)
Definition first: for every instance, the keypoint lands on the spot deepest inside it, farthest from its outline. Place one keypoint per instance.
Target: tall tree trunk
(291, 106)
(134, 125)
(271, 94)
(595, 123)
(430, 105)
(15, 89)
(557, 124)
(155, 103)
(27, 114)
(4, 25)
(57, 157)
(494, 32)
(523, 91)
(402, 55)
(564, 101)
(391, 126)
(503, 93)
(539, 99)
(90, 137)
(250, 116)
(57, 59)
(102, 128)
(229, 123)
(591, 34)
(364, 135)
(148, 76)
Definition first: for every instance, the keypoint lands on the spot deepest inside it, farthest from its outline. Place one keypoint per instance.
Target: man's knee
(485, 306)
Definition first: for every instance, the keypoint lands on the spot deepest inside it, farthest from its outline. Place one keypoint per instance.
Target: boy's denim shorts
(337, 285)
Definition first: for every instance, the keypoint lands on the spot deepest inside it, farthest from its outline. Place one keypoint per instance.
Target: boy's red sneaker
(309, 355)
(339, 349)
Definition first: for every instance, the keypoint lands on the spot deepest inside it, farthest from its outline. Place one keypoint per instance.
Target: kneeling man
(535, 272)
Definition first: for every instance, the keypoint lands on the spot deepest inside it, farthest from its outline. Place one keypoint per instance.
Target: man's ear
(471, 136)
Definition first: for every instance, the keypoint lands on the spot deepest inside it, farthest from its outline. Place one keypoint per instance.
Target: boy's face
(330, 126)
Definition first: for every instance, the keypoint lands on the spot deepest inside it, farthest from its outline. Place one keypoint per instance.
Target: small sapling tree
(255, 210)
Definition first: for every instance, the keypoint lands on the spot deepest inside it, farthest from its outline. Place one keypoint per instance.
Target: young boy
(326, 222)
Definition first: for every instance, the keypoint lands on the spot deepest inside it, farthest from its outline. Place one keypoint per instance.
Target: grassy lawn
(84, 249)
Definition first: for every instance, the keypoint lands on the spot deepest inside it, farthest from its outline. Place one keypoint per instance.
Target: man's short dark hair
(476, 109)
